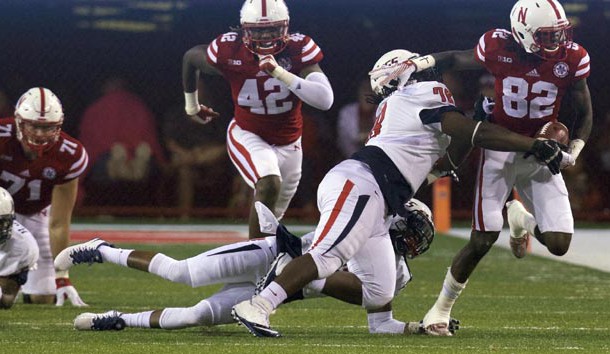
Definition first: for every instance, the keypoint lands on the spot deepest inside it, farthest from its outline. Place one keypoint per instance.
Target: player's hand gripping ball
(554, 131)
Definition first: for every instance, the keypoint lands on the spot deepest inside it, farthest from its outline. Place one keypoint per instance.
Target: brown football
(554, 131)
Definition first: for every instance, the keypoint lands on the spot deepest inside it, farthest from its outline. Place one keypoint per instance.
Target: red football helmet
(265, 26)
(39, 116)
(542, 28)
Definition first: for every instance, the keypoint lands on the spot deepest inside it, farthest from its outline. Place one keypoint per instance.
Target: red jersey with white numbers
(528, 89)
(263, 104)
(31, 182)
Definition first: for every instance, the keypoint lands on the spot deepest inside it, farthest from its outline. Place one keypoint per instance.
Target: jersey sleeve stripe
(583, 61)
(80, 170)
(308, 46)
(213, 51)
(481, 49)
(582, 71)
(311, 55)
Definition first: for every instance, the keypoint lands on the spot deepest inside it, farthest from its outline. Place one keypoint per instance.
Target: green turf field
(531, 305)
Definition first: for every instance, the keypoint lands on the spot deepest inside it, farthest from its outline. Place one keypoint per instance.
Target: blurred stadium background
(74, 46)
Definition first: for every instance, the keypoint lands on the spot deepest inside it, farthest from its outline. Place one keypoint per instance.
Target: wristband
(283, 75)
(576, 147)
(474, 132)
(191, 103)
(61, 274)
(423, 63)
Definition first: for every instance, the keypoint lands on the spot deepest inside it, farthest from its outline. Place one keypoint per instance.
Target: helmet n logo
(522, 15)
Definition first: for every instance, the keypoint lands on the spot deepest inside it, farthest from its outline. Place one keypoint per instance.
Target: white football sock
(383, 323)
(139, 320)
(275, 294)
(450, 292)
(182, 317)
(115, 255)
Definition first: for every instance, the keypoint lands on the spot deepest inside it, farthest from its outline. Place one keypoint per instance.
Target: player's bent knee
(557, 243)
(481, 241)
(326, 264)
(375, 301)
(171, 269)
(268, 187)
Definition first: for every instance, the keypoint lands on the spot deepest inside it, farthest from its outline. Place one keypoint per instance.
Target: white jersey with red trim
(31, 182)
(263, 104)
(528, 89)
(408, 128)
(19, 253)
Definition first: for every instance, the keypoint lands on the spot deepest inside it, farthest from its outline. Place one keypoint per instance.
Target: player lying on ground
(240, 266)
(18, 252)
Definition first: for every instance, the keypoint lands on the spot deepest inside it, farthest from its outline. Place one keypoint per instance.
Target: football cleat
(254, 315)
(107, 321)
(277, 266)
(519, 237)
(419, 328)
(87, 252)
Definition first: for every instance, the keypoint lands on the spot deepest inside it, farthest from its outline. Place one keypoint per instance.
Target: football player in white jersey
(18, 252)
(416, 121)
(242, 265)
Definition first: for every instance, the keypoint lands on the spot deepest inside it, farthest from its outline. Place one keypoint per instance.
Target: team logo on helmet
(49, 173)
(561, 70)
(285, 63)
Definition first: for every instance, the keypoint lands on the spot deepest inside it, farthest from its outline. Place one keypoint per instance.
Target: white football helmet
(265, 26)
(413, 234)
(541, 27)
(7, 215)
(390, 80)
(39, 116)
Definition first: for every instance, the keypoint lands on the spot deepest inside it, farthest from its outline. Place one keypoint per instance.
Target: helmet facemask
(38, 136)
(7, 215)
(6, 227)
(265, 38)
(553, 41)
(412, 235)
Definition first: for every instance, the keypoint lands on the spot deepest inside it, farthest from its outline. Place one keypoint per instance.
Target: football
(554, 131)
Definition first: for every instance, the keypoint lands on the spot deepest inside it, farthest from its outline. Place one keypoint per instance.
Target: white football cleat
(519, 236)
(254, 315)
(107, 321)
(81, 253)
(436, 325)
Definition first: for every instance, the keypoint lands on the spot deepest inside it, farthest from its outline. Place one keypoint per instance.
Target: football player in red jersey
(534, 64)
(271, 74)
(39, 167)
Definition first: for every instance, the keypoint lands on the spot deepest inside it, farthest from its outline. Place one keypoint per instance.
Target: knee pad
(170, 269)
(374, 297)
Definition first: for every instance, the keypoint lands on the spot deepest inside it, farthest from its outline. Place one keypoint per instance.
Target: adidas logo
(261, 73)
(533, 73)
(25, 173)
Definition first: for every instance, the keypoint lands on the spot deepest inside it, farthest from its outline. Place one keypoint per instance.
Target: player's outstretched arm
(193, 63)
(494, 137)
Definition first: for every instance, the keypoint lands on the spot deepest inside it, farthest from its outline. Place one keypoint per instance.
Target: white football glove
(65, 290)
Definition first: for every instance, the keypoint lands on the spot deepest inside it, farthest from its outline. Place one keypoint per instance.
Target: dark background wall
(71, 46)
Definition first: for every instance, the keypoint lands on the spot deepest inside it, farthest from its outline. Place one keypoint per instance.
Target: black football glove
(483, 108)
(548, 152)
